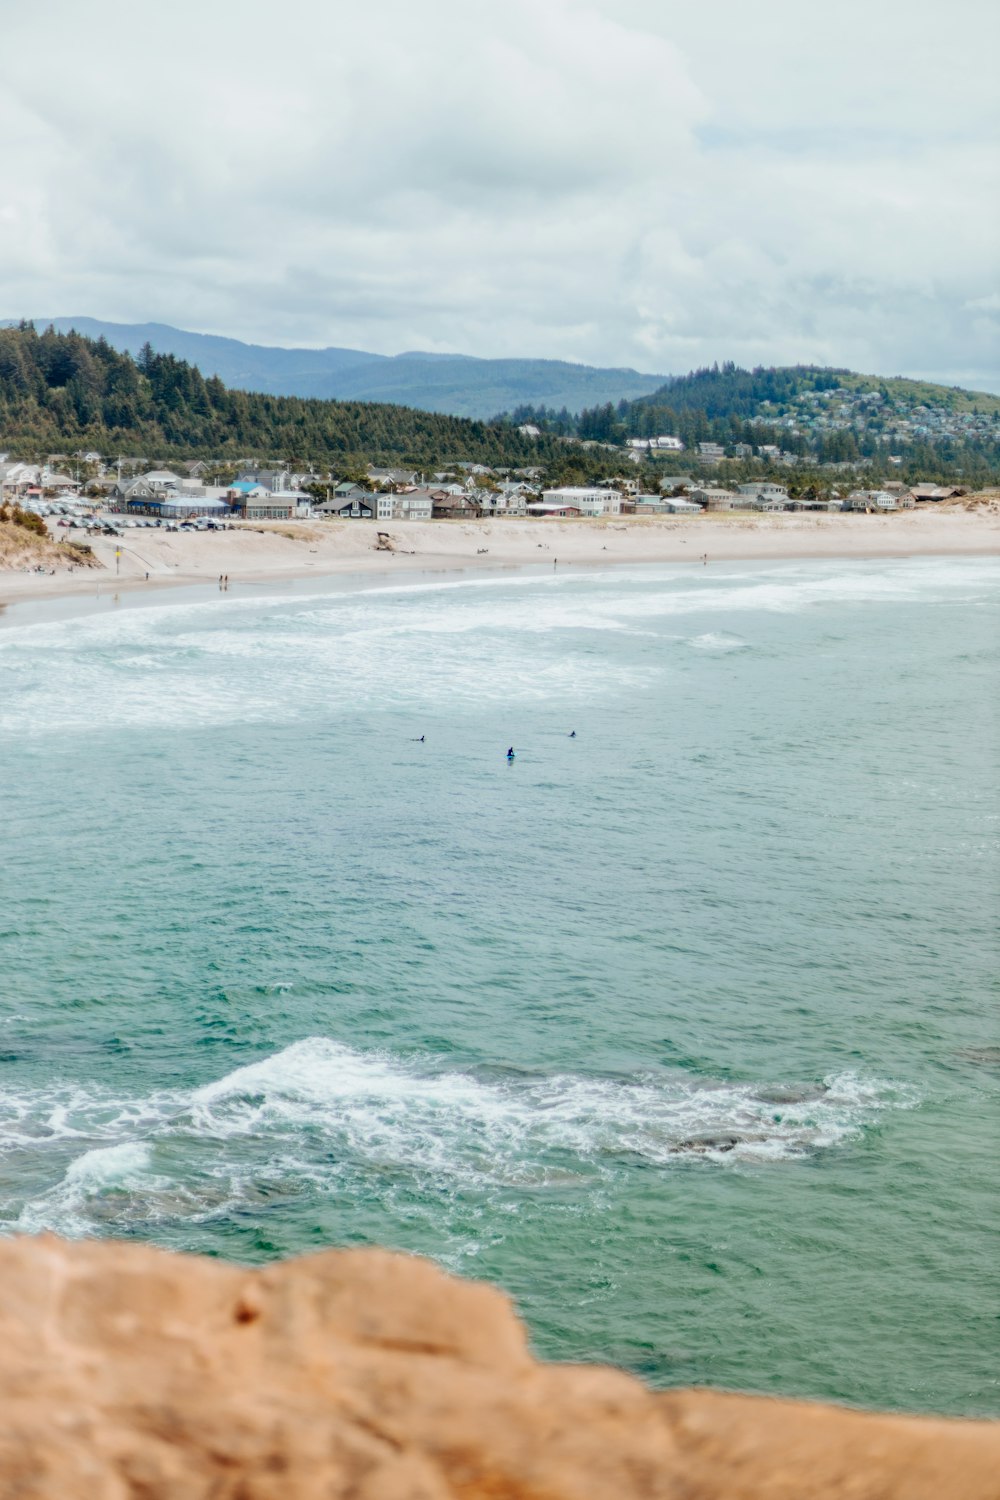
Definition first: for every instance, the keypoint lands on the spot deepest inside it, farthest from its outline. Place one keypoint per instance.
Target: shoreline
(155, 564)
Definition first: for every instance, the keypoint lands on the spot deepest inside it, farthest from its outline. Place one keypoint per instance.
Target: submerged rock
(127, 1373)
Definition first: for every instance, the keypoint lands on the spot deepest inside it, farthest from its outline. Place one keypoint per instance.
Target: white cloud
(625, 181)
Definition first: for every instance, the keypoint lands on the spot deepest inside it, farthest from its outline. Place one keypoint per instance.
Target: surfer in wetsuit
(572, 734)
(510, 753)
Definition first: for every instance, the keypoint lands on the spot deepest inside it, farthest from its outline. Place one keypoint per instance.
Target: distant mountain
(456, 384)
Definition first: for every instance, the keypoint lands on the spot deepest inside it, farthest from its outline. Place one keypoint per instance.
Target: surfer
(572, 734)
(510, 753)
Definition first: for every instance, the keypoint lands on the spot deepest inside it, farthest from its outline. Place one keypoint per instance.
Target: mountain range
(455, 384)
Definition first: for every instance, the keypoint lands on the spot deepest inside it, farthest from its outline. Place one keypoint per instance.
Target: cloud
(624, 181)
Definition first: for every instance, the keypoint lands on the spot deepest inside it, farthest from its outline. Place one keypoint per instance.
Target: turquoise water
(679, 1029)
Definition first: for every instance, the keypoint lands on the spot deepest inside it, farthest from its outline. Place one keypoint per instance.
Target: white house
(588, 501)
(664, 443)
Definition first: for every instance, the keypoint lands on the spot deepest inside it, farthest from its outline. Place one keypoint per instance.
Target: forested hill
(62, 391)
(818, 415)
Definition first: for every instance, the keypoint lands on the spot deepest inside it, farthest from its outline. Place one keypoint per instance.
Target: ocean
(677, 1028)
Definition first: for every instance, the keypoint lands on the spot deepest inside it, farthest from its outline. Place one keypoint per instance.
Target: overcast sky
(638, 182)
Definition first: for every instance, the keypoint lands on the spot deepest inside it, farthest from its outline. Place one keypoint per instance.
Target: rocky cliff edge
(127, 1373)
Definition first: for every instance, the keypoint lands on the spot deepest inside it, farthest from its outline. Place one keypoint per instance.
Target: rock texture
(130, 1374)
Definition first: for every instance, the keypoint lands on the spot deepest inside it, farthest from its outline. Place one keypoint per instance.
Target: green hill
(804, 413)
(62, 390)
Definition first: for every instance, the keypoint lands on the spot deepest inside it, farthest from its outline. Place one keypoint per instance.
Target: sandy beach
(152, 560)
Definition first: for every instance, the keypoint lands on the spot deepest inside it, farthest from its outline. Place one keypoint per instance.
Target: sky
(621, 182)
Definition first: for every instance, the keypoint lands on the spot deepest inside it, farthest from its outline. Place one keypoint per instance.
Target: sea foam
(330, 1115)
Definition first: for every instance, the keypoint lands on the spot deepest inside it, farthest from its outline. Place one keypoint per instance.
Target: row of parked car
(115, 525)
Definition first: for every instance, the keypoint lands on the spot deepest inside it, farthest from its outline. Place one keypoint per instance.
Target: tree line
(60, 390)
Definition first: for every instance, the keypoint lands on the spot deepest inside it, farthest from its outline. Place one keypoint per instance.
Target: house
(409, 505)
(762, 496)
(135, 492)
(273, 505)
(387, 479)
(545, 509)
(446, 507)
(357, 507)
(711, 453)
(274, 478)
(935, 491)
(17, 478)
(868, 500)
(711, 498)
(665, 505)
(506, 500)
(764, 490)
(663, 444)
(592, 501)
(57, 481)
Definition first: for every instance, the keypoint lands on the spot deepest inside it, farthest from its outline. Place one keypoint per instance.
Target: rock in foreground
(130, 1374)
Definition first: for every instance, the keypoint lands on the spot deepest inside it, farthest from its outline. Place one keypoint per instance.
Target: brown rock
(130, 1374)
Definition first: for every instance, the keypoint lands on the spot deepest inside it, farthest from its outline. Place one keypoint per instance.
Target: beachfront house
(506, 499)
(935, 491)
(411, 505)
(665, 505)
(761, 495)
(447, 507)
(544, 510)
(357, 507)
(710, 498)
(871, 500)
(592, 501)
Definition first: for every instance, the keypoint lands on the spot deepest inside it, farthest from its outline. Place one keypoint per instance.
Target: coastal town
(87, 487)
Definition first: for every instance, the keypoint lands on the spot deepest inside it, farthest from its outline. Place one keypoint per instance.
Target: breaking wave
(319, 1115)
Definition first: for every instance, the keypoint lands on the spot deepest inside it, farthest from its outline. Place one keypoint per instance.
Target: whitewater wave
(321, 1116)
(277, 658)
